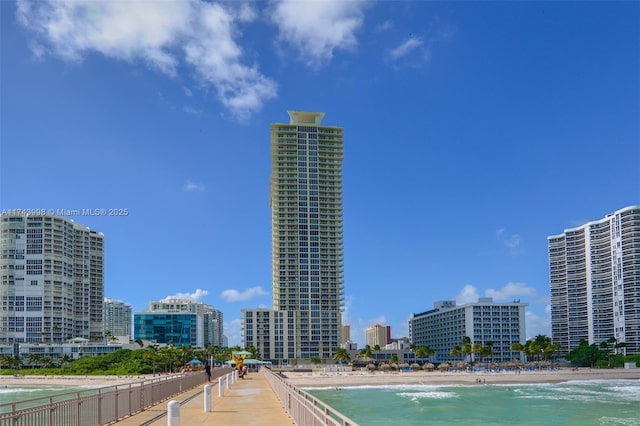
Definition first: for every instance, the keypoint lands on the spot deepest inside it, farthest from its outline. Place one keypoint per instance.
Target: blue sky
(473, 131)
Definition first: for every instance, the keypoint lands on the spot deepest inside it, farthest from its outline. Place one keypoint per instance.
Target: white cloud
(317, 28)
(191, 110)
(468, 294)
(537, 324)
(196, 296)
(512, 242)
(192, 186)
(164, 35)
(510, 291)
(232, 329)
(385, 26)
(232, 295)
(405, 48)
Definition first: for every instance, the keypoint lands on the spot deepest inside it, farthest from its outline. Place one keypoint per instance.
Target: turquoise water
(11, 393)
(579, 403)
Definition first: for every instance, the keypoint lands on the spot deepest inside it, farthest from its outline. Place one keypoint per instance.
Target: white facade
(52, 280)
(444, 327)
(117, 317)
(595, 282)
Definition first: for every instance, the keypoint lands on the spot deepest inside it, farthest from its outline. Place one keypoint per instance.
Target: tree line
(146, 360)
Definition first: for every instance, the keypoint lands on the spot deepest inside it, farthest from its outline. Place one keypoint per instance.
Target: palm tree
(394, 360)
(487, 350)
(366, 351)
(455, 351)
(466, 347)
(518, 347)
(47, 362)
(64, 360)
(476, 348)
(10, 361)
(342, 355)
(34, 359)
(424, 352)
(376, 348)
(152, 353)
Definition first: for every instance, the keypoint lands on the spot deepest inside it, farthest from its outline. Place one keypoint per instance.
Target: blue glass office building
(177, 328)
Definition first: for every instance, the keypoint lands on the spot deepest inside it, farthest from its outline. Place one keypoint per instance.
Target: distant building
(53, 353)
(401, 344)
(378, 335)
(346, 333)
(307, 241)
(213, 328)
(51, 280)
(444, 327)
(117, 317)
(181, 322)
(595, 282)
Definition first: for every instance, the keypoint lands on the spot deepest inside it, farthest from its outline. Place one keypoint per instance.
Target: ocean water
(577, 403)
(31, 394)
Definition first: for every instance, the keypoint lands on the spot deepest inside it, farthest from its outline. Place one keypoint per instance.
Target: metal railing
(304, 408)
(99, 406)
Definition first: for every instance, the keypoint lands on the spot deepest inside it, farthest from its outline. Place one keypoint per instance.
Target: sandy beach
(73, 381)
(358, 378)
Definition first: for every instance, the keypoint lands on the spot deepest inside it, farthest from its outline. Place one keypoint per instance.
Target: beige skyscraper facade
(307, 237)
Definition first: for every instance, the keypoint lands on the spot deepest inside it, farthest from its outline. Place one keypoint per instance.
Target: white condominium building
(444, 327)
(52, 280)
(595, 282)
(117, 317)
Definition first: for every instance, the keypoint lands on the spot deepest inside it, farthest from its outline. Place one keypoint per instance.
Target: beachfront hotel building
(307, 247)
(117, 317)
(444, 327)
(594, 273)
(51, 280)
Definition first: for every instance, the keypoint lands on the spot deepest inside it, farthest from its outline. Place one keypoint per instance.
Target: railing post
(220, 386)
(173, 413)
(207, 398)
(228, 381)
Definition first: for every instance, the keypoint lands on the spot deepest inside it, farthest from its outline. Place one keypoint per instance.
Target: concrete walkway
(249, 402)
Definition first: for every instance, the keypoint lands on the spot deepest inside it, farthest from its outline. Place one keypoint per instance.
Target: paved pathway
(249, 402)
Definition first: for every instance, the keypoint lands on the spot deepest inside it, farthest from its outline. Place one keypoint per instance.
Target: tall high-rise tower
(52, 280)
(306, 220)
(595, 282)
(307, 250)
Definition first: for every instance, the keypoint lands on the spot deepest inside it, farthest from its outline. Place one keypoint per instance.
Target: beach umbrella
(429, 366)
(371, 366)
(415, 366)
(385, 367)
(444, 366)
